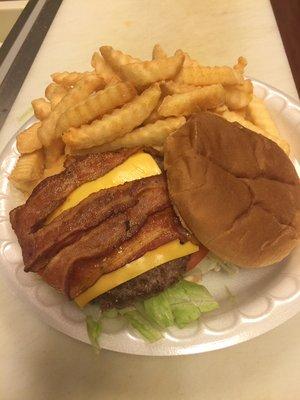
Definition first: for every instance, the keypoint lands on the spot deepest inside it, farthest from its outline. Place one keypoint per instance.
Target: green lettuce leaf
(93, 329)
(185, 313)
(142, 325)
(199, 296)
(158, 310)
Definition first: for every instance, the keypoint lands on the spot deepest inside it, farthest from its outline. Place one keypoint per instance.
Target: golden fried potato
(234, 117)
(241, 65)
(186, 103)
(55, 93)
(238, 96)
(41, 108)
(154, 116)
(114, 125)
(28, 170)
(171, 87)
(28, 141)
(82, 89)
(158, 52)
(116, 58)
(145, 73)
(202, 76)
(67, 79)
(56, 168)
(149, 135)
(104, 70)
(188, 61)
(95, 106)
(258, 113)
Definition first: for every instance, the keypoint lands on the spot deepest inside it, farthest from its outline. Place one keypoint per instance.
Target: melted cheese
(151, 259)
(138, 166)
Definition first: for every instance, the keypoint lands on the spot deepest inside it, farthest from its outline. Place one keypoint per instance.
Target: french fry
(158, 52)
(186, 103)
(114, 125)
(258, 113)
(79, 92)
(234, 117)
(145, 73)
(53, 152)
(241, 65)
(188, 61)
(67, 79)
(116, 58)
(202, 76)
(56, 168)
(154, 116)
(220, 110)
(242, 112)
(28, 170)
(28, 141)
(41, 108)
(95, 106)
(171, 87)
(238, 96)
(148, 135)
(103, 69)
(55, 93)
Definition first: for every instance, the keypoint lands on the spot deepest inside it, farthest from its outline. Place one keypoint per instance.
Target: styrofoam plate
(263, 299)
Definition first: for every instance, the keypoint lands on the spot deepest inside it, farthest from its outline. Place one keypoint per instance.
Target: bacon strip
(70, 226)
(160, 228)
(102, 239)
(53, 191)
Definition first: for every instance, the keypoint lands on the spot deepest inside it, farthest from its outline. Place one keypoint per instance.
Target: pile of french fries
(126, 102)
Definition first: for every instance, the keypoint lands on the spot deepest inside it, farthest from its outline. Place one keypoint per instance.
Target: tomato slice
(195, 258)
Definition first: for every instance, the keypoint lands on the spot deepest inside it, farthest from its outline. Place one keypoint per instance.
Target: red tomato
(195, 258)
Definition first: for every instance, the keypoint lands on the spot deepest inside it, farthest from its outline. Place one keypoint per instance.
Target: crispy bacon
(107, 236)
(70, 226)
(160, 228)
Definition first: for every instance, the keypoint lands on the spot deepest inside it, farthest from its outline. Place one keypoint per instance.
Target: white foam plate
(264, 298)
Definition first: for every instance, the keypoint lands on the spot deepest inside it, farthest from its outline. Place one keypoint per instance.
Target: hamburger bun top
(236, 190)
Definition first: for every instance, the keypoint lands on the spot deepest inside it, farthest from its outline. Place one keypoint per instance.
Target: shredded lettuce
(178, 305)
(158, 310)
(143, 326)
(93, 329)
(185, 313)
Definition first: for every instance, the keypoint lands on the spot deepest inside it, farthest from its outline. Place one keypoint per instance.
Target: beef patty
(144, 285)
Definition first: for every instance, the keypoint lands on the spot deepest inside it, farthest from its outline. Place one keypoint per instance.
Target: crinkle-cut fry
(231, 116)
(55, 168)
(145, 73)
(67, 79)
(220, 110)
(116, 58)
(172, 87)
(237, 97)
(104, 70)
(188, 61)
(186, 103)
(241, 64)
(28, 141)
(158, 52)
(55, 93)
(95, 106)
(116, 124)
(82, 89)
(41, 108)
(242, 112)
(28, 170)
(258, 113)
(202, 76)
(54, 152)
(148, 135)
(154, 116)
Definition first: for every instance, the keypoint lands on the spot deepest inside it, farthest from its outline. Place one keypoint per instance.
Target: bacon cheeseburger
(104, 228)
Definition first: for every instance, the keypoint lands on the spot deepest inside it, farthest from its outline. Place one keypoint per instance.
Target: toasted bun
(237, 191)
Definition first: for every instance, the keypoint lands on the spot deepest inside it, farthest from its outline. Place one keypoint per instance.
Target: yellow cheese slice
(151, 259)
(138, 166)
